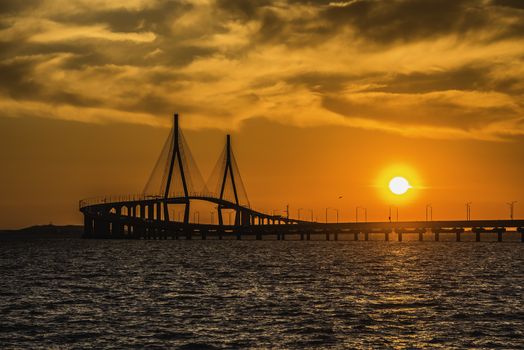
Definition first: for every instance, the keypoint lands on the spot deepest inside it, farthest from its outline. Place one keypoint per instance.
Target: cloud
(427, 68)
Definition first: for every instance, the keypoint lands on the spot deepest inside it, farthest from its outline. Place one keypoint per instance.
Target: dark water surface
(76, 293)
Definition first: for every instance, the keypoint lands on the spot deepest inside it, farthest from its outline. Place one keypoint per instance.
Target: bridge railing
(122, 198)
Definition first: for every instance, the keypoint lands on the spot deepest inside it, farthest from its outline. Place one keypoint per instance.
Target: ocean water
(73, 293)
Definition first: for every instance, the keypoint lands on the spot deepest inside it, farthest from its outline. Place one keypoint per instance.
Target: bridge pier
(366, 236)
(458, 236)
(88, 225)
(386, 236)
(437, 236)
(421, 236)
(308, 236)
(158, 211)
(301, 236)
(150, 212)
(327, 236)
(355, 236)
(117, 229)
(399, 236)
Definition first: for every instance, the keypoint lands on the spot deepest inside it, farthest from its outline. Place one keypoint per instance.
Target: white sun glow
(399, 185)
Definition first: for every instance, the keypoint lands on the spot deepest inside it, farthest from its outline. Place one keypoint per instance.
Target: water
(76, 293)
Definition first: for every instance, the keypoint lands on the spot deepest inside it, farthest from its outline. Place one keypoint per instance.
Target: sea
(116, 294)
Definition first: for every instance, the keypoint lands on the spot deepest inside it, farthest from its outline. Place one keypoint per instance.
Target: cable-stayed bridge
(176, 180)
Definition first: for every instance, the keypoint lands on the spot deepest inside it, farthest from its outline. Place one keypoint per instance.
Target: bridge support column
(151, 211)
(117, 229)
(159, 211)
(421, 236)
(327, 236)
(142, 210)
(308, 236)
(399, 236)
(101, 227)
(88, 225)
(283, 236)
(355, 236)
(301, 236)
(203, 234)
(477, 236)
(521, 230)
(458, 236)
(437, 236)
(386, 236)
(366, 236)
(499, 236)
(186, 213)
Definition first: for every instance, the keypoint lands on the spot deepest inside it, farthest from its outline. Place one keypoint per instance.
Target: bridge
(176, 180)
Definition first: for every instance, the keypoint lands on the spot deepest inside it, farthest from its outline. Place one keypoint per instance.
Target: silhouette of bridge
(176, 180)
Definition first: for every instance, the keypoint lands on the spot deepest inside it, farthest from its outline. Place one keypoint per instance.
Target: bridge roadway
(144, 218)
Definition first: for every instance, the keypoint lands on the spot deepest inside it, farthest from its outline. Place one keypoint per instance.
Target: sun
(399, 185)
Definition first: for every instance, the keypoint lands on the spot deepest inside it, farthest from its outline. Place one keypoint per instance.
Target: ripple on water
(237, 294)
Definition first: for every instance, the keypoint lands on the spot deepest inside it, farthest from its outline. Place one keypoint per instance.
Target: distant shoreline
(44, 231)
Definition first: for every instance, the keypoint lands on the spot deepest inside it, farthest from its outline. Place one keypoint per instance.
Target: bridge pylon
(228, 170)
(176, 163)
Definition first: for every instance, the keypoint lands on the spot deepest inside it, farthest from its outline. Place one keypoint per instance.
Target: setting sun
(399, 185)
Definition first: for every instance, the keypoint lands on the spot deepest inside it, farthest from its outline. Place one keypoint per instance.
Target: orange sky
(322, 98)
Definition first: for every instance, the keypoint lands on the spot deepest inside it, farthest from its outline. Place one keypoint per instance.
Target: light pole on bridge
(468, 211)
(365, 213)
(335, 209)
(429, 212)
(511, 209)
(390, 207)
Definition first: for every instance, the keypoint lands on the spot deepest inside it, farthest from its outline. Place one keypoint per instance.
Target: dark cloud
(157, 17)
(430, 112)
(391, 21)
(243, 10)
(18, 82)
(518, 4)
(10, 7)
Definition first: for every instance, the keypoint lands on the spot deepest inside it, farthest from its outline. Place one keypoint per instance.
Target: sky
(325, 102)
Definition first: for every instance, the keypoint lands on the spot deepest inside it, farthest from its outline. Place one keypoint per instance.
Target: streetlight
(511, 209)
(335, 209)
(468, 211)
(299, 209)
(429, 212)
(365, 213)
(390, 212)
